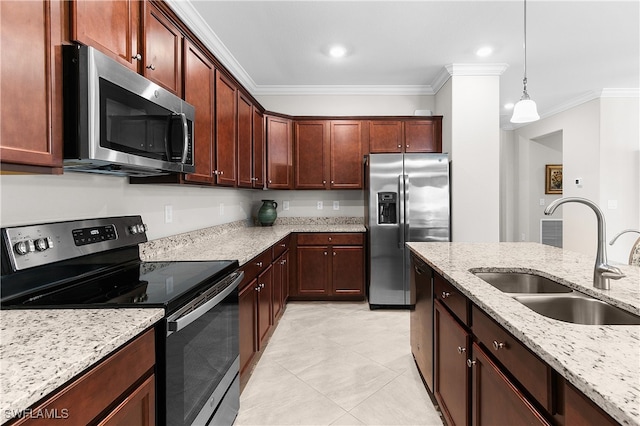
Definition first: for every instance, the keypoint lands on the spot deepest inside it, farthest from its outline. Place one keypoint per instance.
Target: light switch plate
(285, 205)
(336, 205)
(168, 213)
(221, 209)
(612, 204)
(319, 205)
(542, 201)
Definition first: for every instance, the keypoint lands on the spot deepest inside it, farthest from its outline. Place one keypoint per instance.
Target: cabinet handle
(262, 285)
(445, 294)
(470, 363)
(282, 262)
(151, 67)
(259, 264)
(461, 349)
(269, 180)
(324, 182)
(138, 57)
(329, 238)
(283, 245)
(325, 253)
(334, 253)
(407, 146)
(418, 270)
(498, 345)
(399, 146)
(257, 288)
(331, 182)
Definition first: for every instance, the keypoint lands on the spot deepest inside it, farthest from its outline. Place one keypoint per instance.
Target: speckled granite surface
(41, 350)
(239, 240)
(601, 361)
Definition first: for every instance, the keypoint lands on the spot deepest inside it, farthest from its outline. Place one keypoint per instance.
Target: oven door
(202, 360)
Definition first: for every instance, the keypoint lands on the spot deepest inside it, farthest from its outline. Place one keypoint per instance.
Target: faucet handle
(611, 272)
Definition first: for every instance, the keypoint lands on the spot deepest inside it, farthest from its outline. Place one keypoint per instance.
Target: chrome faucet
(613, 240)
(602, 271)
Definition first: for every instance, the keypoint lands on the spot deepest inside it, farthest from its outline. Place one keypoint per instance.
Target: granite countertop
(602, 361)
(40, 350)
(238, 240)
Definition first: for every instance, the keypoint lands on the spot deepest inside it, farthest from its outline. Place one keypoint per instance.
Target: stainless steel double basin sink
(557, 301)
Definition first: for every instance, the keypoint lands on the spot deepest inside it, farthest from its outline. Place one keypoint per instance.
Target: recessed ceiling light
(508, 106)
(337, 51)
(484, 51)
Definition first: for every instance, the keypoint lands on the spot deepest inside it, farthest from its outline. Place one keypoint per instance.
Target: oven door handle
(182, 322)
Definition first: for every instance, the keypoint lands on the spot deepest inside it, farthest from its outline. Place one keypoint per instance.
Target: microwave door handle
(185, 138)
(180, 323)
(167, 137)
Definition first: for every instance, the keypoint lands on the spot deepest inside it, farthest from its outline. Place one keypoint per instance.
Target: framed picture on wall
(553, 179)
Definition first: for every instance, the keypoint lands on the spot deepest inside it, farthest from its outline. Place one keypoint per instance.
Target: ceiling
(575, 49)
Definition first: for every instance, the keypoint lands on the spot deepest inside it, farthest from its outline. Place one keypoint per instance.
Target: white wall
(475, 158)
(345, 105)
(508, 187)
(601, 142)
(34, 199)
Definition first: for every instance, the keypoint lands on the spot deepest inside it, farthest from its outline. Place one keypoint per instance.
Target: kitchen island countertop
(602, 361)
(42, 349)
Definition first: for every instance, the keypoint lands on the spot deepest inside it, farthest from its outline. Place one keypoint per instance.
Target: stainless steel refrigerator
(406, 199)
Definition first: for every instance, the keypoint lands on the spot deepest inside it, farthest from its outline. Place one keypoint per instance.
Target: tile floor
(337, 364)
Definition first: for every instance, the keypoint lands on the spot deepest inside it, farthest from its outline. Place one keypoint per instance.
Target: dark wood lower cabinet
(451, 371)
(248, 314)
(265, 304)
(421, 320)
(496, 400)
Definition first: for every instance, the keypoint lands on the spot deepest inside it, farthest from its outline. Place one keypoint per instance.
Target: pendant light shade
(525, 111)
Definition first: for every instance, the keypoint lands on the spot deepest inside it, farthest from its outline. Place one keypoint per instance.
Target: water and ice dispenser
(387, 207)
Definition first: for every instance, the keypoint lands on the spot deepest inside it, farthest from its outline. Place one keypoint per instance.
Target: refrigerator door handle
(407, 214)
(401, 212)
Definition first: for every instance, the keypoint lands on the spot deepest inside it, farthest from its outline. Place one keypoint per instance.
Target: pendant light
(525, 111)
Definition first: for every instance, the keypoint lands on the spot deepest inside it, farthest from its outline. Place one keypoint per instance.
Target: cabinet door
(385, 136)
(277, 287)
(258, 149)
(110, 26)
(199, 83)
(348, 270)
(245, 148)
(421, 321)
(138, 409)
(346, 155)
(162, 50)
(248, 318)
(226, 120)
(422, 136)
(279, 155)
(495, 399)
(286, 270)
(265, 304)
(31, 83)
(313, 270)
(451, 371)
(311, 147)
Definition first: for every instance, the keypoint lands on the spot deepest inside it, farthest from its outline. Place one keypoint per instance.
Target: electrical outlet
(319, 205)
(285, 205)
(221, 209)
(522, 237)
(336, 205)
(168, 213)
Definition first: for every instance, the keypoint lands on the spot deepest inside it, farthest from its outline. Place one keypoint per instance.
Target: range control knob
(140, 228)
(133, 229)
(21, 247)
(41, 244)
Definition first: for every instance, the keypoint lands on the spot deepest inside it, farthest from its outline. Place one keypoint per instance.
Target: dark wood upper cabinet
(346, 154)
(279, 153)
(245, 142)
(226, 120)
(162, 56)
(311, 147)
(423, 136)
(258, 149)
(31, 84)
(408, 135)
(113, 27)
(199, 88)
(385, 136)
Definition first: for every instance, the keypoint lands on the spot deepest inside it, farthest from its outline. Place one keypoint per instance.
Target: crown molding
(276, 90)
(190, 16)
(476, 69)
(620, 93)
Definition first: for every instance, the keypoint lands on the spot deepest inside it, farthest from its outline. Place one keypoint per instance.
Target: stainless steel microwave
(118, 122)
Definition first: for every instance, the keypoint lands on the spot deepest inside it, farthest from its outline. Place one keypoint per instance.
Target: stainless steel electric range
(95, 263)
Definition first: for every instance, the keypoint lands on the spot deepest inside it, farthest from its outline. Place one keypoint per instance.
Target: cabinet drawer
(281, 246)
(312, 239)
(524, 366)
(255, 266)
(452, 298)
